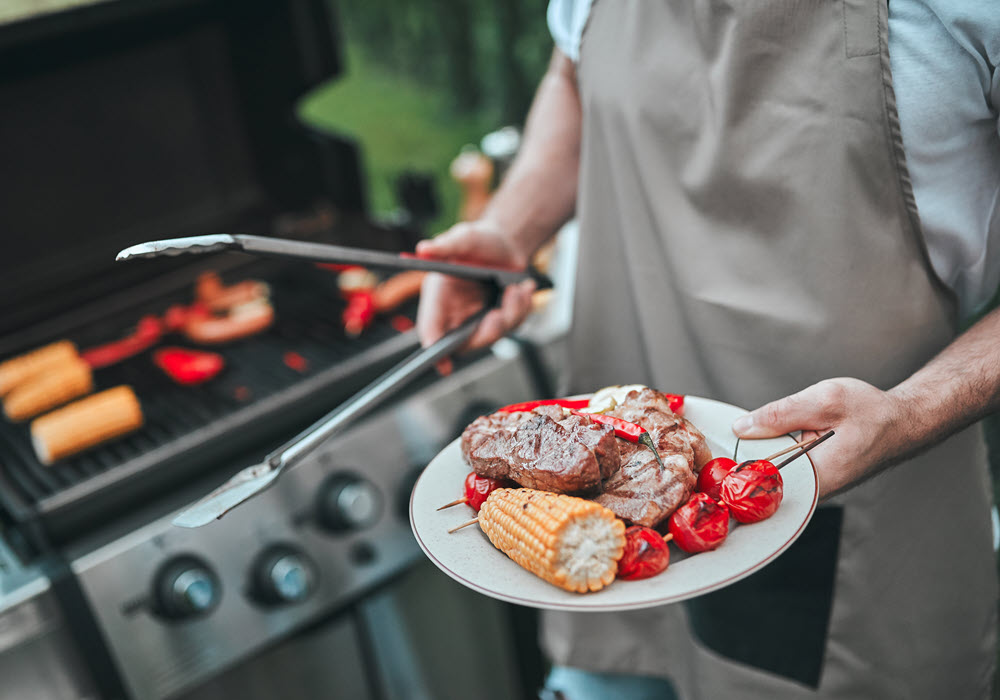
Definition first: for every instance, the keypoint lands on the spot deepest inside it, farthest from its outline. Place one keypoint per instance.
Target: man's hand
(872, 429)
(445, 302)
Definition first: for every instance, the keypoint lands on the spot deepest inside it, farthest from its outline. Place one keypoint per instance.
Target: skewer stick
(807, 448)
(471, 522)
(789, 449)
(454, 503)
(667, 537)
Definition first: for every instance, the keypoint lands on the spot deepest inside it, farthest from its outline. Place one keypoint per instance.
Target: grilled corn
(85, 423)
(570, 542)
(18, 369)
(52, 387)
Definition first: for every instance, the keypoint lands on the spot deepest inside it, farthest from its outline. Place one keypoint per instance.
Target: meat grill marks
(640, 491)
(542, 450)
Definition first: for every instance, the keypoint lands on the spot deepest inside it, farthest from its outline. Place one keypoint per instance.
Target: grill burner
(257, 395)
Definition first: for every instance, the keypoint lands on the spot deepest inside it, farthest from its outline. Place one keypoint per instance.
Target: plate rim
(584, 606)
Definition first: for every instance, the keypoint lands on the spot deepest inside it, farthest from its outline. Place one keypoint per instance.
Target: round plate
(469, 557)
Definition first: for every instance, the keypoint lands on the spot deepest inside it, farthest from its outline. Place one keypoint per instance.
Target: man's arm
(538, 194)
(536, 197)
(876, 429)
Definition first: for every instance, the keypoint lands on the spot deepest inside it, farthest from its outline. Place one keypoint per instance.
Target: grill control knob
(348, 502)
(186, 588)
(282, 574)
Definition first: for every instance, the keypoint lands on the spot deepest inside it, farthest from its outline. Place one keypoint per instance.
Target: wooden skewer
(454, 503)
(807, 448)
(471, 522)
(789, 449)
(667, 537)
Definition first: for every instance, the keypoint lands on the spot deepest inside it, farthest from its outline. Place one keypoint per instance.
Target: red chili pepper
(676, 403)
(700, 524)
(359, 312)
(147, 332)
(188, 367)
(646, 554)
(752, 490)
(711, 476)
(478, 489)
(531, 405)
(623, 429)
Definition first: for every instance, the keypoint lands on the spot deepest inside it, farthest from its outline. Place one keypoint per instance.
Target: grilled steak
(639, 491)
(542, 450)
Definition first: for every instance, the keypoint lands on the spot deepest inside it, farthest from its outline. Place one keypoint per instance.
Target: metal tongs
(255, 479)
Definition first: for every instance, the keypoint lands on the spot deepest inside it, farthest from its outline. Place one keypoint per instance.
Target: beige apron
(748, 229)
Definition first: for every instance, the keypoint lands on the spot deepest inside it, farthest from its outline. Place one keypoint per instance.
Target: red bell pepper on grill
(147, 333)
(189, 367)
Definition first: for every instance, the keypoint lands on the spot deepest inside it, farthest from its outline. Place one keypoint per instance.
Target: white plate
(469, 557)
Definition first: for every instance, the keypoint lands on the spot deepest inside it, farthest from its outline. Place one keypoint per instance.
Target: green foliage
(422, 80)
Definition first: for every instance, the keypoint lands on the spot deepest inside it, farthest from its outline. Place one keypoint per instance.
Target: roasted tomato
(646, 554)
(711, 475)
(752, 490)
(478, 489)
(700, 524)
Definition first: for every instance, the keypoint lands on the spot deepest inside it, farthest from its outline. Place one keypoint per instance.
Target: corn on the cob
(570, 542)
(86, 423)
(18, 369)
(52, 387)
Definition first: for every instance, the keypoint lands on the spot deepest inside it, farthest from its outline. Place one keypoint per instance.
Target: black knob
(186, 587)
(282, 574)
(348, 502)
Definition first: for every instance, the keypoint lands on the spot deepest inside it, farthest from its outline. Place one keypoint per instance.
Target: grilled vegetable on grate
(52, 387)
(570, 542)
(18, 369)
(85, 423)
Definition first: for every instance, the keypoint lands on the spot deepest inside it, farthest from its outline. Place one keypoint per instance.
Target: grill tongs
(252, 480)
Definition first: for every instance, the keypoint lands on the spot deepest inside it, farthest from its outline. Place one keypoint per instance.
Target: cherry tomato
(646, 554)
(700, 524)
(478, 489)
(711, 475)
(752, 491)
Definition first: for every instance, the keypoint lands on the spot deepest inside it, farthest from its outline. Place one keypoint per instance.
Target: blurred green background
(422, 80)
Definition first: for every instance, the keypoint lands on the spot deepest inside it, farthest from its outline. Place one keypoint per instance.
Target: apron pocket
(777, 619)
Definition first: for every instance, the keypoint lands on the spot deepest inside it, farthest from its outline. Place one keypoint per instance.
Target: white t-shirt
(944, 56)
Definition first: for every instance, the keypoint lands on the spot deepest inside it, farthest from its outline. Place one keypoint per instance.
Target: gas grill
(188, 426)
(126, 121)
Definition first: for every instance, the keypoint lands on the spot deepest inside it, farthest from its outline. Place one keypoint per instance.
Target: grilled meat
(640, 491)
(542, 449)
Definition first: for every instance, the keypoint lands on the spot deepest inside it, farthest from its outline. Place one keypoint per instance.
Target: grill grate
(257, 392)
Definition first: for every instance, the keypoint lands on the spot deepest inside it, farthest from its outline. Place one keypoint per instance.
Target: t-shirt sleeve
(944, 57)
(567, 19)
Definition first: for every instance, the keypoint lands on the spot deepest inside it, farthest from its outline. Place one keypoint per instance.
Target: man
(750, 231)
